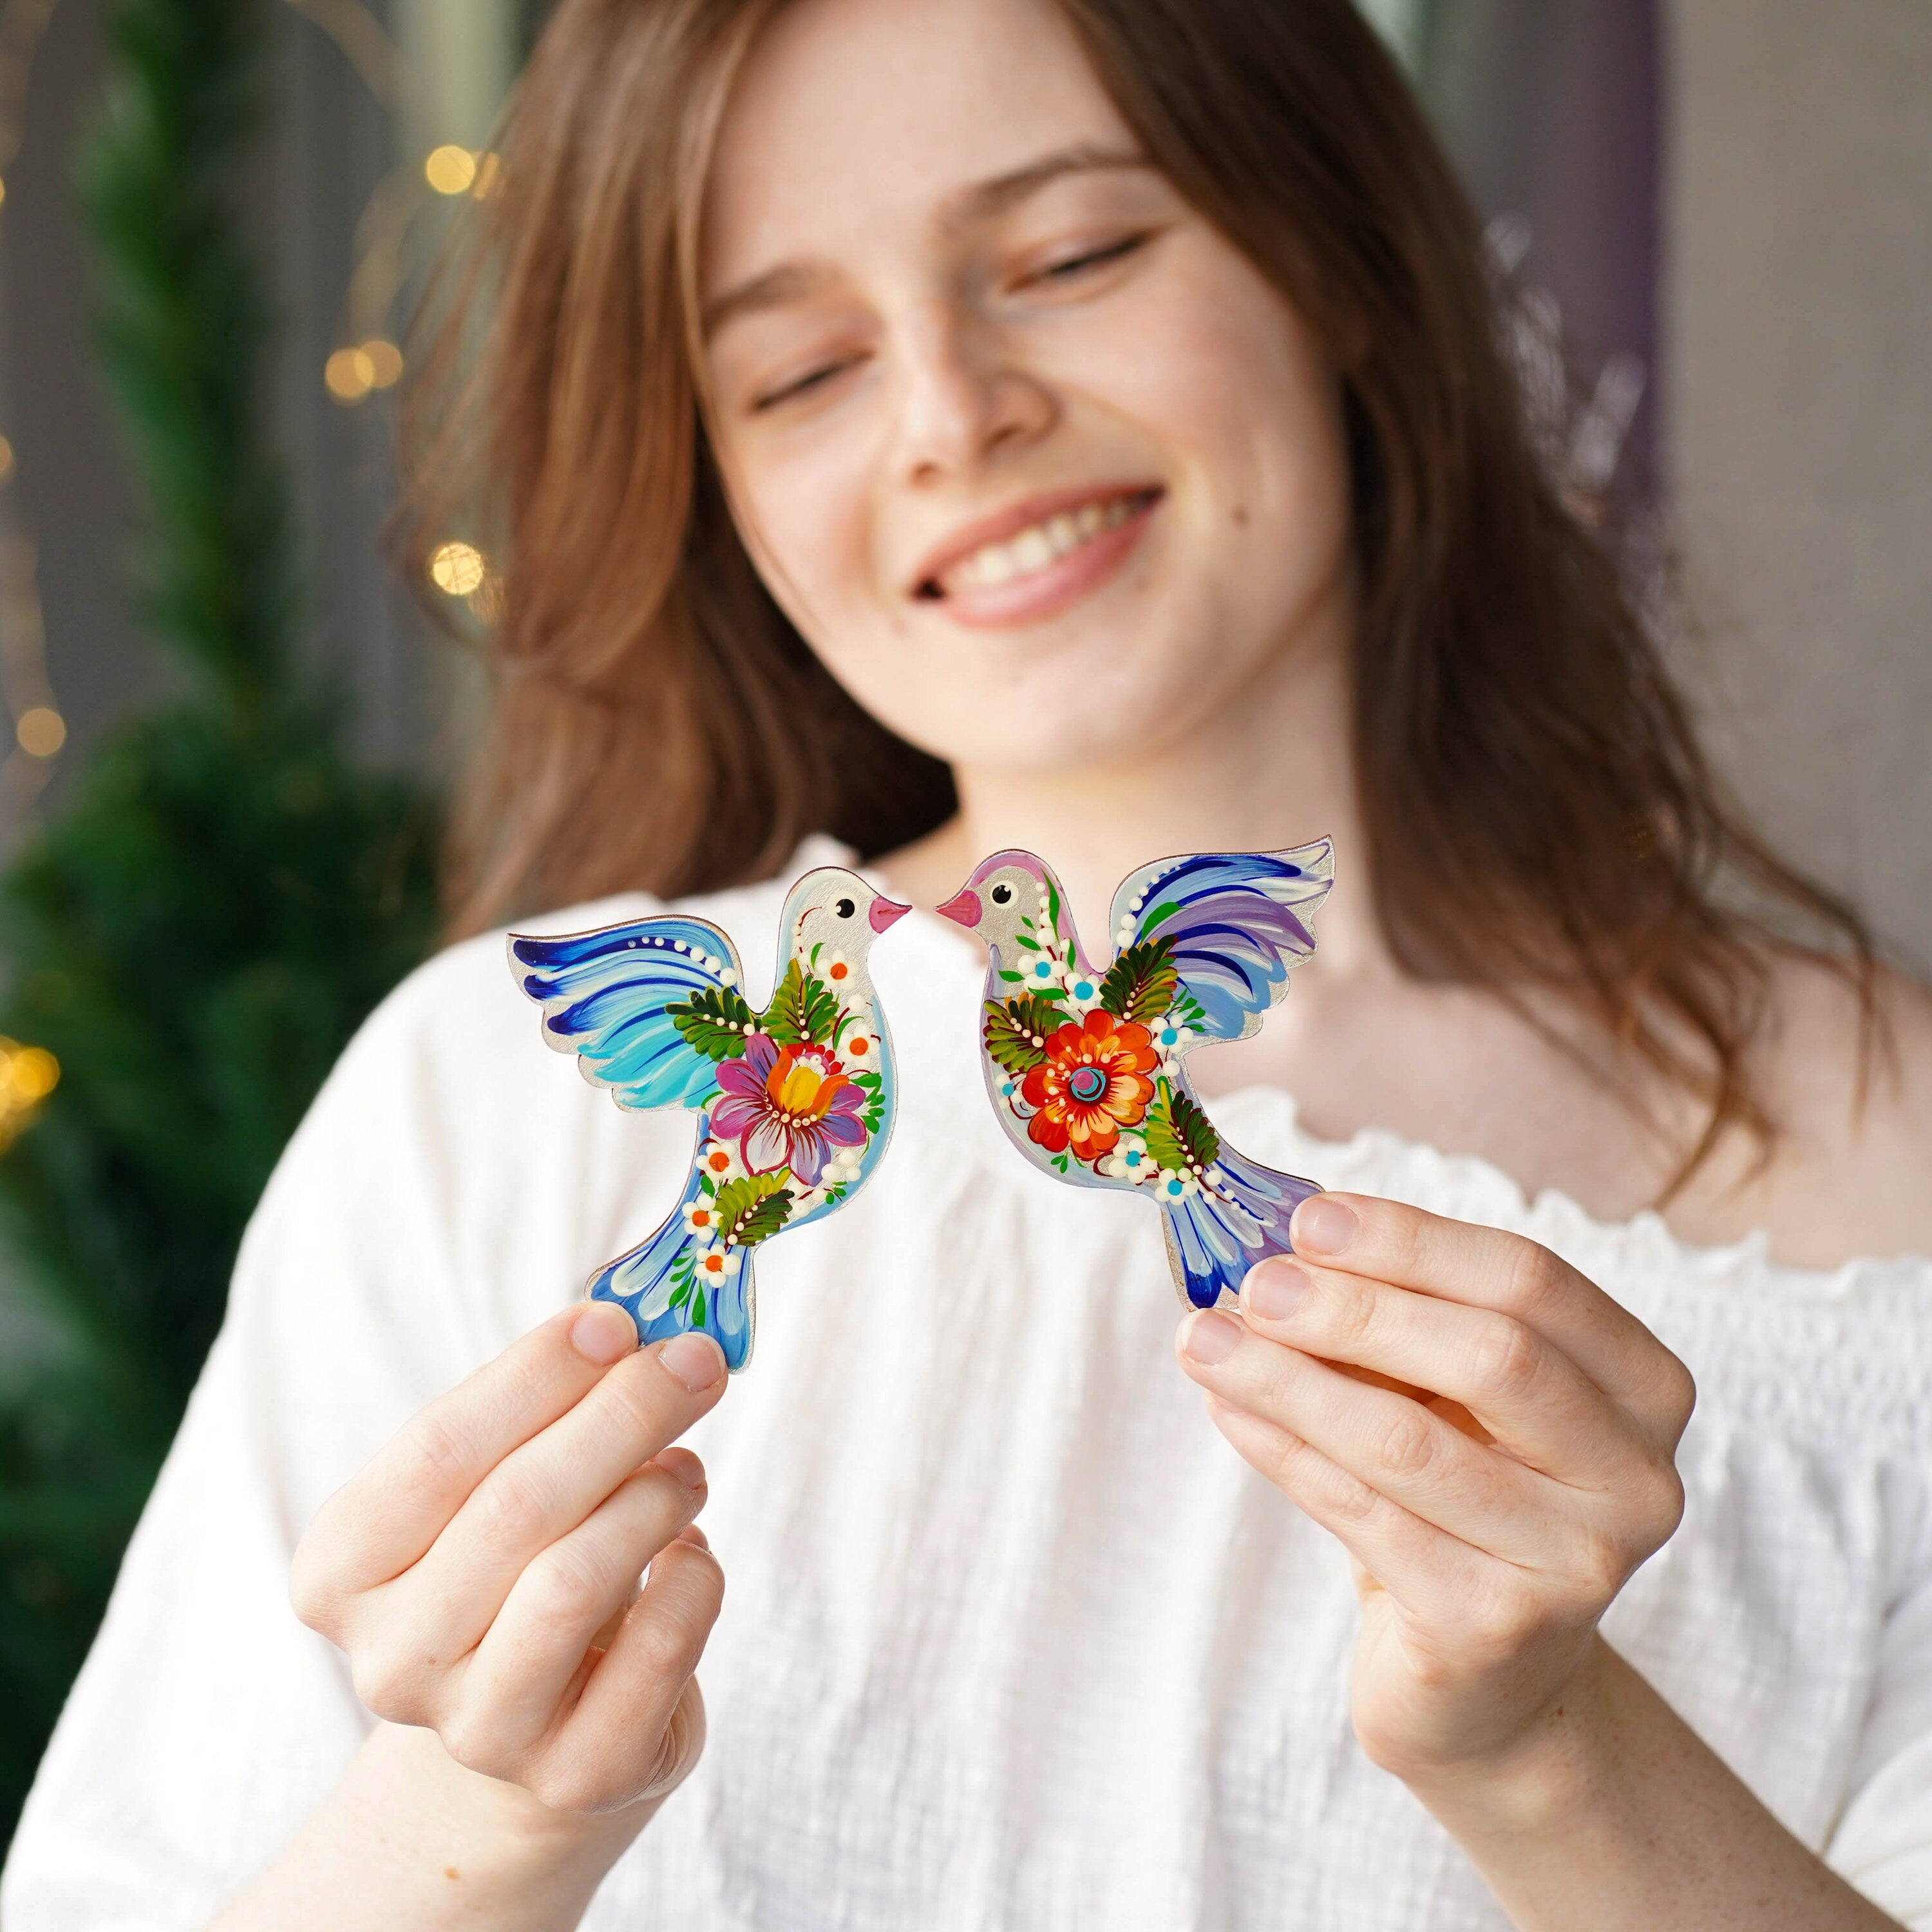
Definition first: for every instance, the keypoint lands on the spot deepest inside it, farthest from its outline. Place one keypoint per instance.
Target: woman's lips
(1041, 593)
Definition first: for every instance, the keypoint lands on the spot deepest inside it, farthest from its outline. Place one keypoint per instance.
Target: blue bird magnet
(794, 1104)
(1085, 1065)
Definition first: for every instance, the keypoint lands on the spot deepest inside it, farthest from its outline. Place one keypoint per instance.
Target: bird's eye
(844, 909)
(1002, 895)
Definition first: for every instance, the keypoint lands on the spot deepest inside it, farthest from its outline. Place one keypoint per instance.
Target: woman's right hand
(482, 1572)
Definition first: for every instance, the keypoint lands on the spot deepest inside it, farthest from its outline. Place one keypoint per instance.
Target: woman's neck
(1272, 768)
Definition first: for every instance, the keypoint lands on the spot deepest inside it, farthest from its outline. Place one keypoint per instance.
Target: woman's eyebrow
(1004, 191)
(791, 281)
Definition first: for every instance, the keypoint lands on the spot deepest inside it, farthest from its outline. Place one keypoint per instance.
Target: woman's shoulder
(452, 1071)
(457, 1020)
(1848, 1082)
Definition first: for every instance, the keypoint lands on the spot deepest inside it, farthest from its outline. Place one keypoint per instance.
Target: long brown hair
(1538, 810)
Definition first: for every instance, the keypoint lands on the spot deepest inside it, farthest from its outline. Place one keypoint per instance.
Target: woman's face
(1034, 458)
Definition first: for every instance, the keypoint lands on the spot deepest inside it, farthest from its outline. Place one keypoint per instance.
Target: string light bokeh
(28, 1074)
(39, 730)
(390, 237)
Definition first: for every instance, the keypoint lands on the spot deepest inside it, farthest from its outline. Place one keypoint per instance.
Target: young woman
(1101, 397)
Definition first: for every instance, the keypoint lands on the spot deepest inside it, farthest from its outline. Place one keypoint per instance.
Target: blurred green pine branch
(221, 898)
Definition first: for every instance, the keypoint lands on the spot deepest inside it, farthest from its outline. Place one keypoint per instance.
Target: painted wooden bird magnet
(1084, 1065)
(794, 1104)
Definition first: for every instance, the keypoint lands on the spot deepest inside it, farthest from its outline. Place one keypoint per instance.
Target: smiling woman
(1078, 424)
(1250, 217)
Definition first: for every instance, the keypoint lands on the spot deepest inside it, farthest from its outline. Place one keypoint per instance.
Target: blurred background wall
(1796, 292)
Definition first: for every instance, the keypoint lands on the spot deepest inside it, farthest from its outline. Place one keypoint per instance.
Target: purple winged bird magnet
(794, 1104)
(1084, 1065)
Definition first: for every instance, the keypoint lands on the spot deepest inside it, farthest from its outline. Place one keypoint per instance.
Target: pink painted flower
(788, 1106)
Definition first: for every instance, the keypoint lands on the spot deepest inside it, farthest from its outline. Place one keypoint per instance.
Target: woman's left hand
(1488, 1435)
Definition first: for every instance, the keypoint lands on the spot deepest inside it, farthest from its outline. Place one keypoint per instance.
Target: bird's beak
(963, 909)
(885, 911)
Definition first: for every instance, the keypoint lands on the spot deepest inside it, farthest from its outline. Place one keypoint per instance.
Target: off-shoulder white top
(1011, 1639)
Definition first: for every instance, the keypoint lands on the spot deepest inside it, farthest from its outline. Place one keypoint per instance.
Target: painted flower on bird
(1092, 1084)
(701, 1217)
(1129, 1160)
(1082, 993)
(717, 1265)
(1176, 1185)
(1040, 973)
(788, 1107)
(720, 1161)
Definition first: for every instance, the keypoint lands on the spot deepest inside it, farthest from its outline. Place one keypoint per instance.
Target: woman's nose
(963, 395)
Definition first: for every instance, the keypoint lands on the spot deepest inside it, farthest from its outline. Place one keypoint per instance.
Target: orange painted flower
(1092, 1083)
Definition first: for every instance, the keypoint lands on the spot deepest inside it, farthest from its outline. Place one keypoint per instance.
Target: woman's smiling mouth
(1039, 557)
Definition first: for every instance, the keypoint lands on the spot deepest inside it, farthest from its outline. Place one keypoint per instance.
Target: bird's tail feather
(662, 1285)
(1239, 1216)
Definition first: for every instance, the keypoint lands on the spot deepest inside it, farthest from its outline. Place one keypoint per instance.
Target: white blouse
(1012, 1638)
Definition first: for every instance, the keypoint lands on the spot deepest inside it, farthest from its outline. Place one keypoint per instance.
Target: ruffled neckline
(1474, 1189)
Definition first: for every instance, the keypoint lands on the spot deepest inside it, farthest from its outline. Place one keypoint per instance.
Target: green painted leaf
(752, 1207)
(804, 1010)
(766, 1219)
(1178, 1134)
(1141, 983)
(698, 1307)
(1011, 1030)
(715, 1020)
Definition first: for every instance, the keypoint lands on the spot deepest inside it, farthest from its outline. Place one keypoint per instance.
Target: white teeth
(1036, 547)
(993, 565)
(1033, 548)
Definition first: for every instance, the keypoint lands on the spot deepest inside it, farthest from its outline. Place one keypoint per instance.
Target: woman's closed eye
(1069, 271)
(814, 378)
(1088, 259)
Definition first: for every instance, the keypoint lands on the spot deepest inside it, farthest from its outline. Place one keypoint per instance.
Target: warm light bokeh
(457, 569)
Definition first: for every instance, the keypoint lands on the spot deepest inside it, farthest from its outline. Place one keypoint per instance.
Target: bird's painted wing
(1230, 923)
(649, 1008)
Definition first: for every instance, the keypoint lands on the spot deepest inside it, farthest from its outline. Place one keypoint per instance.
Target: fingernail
(603, 1333)
(1210, 1337)
(1275, 1289)
(695, 1360)
(684, 1466)
(1322, 1225)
